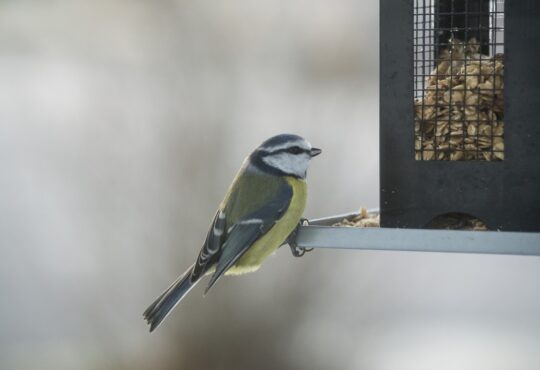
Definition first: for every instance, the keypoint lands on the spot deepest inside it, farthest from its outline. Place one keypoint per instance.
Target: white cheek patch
(289, 163)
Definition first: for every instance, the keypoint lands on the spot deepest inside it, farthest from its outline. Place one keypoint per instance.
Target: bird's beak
(315, 152)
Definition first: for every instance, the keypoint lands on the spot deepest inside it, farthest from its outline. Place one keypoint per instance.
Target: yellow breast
(270, 242)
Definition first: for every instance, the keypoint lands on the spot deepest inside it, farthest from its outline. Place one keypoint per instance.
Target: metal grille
(458, 80)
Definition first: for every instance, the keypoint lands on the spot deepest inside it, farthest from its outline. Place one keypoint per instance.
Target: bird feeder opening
(457, 221)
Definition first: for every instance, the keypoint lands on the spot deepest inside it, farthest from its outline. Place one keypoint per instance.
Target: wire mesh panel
(458, 80)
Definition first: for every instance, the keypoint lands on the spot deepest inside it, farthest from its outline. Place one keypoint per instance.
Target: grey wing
(245, 232)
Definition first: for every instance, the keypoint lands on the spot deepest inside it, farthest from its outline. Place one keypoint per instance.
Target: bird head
(285, 154)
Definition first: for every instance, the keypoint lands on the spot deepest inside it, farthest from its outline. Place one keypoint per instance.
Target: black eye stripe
(295, 150)
(292, 150)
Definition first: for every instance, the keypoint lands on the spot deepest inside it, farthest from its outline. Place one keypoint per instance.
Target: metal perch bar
(329, 221)
(416, 240)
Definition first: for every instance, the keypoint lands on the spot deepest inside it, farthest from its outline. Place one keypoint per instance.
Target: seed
(498, 143)
(428, 155)
(442, 128)
(471, 82)
(486, 87)
(456, 140)
(484, 129)
(484, 142)
(498, 129)
(471, 98)
(487, 156)
(471, 130)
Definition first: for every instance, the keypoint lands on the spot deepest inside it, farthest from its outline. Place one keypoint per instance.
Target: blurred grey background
(122, 124)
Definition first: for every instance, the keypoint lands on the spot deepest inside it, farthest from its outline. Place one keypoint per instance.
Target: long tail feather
(163, 305)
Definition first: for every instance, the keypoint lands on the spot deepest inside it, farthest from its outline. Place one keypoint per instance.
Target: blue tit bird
(261, 209)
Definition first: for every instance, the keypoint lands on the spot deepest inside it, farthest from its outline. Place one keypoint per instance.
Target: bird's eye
(295, 150)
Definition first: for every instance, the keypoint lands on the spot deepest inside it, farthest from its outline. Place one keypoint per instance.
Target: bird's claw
(295, 249)
(299, 251)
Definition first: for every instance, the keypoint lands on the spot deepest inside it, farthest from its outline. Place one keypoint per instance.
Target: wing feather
(245, 232)
(209, 253)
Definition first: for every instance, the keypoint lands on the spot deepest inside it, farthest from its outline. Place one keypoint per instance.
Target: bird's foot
(291, 240)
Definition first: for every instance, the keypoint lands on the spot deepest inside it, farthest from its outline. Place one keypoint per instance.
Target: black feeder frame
(485, 166)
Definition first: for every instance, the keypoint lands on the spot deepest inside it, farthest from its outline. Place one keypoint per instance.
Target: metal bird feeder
(459, 129)
(460, 93)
